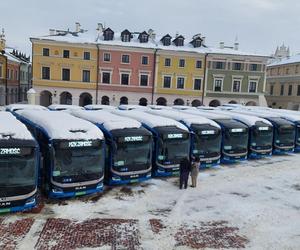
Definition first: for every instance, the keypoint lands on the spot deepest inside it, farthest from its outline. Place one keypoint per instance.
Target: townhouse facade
(283, 83)
(78, 67)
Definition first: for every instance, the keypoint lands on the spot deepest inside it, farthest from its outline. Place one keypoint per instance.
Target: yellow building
(63, 65)
(180, 71)
(3, 69)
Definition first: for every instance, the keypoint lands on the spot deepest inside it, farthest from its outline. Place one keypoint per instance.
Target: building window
(66, 54)
(66, 74)
(125, 58)
(236, 86)
(290, 90)
(167, 82)
(181, 63)
(106, 77)
(145, 60)
(46, 52)
(144, 80)
(126, 38)
(106, 57)
(218, 65)
(1, 68)
(298, 90)
(281, 89)
(198, 64)
(180, 83)
(218, 85)
(237, 66)
(287, 71)
(167, 62)
(271, 89)
(197, 84)
(253, 67)
(86, 76)
(124, 79)
(252, 86)
(86, 55)
(46, 73)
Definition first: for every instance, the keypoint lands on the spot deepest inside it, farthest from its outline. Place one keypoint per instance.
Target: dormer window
(126, 36)
(179, 41)
(108, 34)
(143, 37)
(166, 40)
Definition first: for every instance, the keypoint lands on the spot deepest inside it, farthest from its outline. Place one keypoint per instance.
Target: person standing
(185, 169)
(195, 171)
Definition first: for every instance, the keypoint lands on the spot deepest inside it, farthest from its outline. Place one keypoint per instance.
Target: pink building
(126, 67)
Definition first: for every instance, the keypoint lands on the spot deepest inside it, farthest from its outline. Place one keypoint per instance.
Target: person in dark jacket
(185, 169)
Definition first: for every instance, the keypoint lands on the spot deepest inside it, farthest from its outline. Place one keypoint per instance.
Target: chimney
(236, 46)
(100, 27)
(203, 40)
(77, 27)
(52, 32)
(151, 33)
(222, 45)
(2, 41)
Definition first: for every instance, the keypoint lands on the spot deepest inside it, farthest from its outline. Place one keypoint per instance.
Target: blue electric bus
(72, 152)
(206, 135)
(129, 146)
(284, 131)
(19, 161)
(260, 133)
(235, 136)
(171, 141)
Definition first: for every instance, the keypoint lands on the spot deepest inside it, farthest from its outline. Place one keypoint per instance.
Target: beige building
(283, 83)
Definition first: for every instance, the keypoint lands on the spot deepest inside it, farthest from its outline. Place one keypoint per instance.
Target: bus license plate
(5, 210)
(134, 180)
(80, 193)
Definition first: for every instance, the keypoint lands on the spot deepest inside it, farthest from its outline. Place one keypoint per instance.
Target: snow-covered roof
(15, 107)
(131, 107)
(247, 119)
(188, 119)
(108, 120)
(159, 107)
(261, 113)
(12, 128)
(286, 60)
(286, 114)
(231, 51)
(61, 125)
(149, 119)
(64, 107)
(207, 114)
(99, 107)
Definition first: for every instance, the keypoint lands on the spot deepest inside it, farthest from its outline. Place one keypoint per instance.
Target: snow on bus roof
(15, 107)
(185, 117)
(12, 128)
(149, 119)
(131, 107)
(64, 107)
(248, 119)
(257, 113)
(292, 116)
(99, 107)
(61, 125)
(207, 114)
(108, 120)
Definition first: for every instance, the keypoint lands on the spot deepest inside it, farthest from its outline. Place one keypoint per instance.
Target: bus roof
(131, 107)
(108, 120)
(61, 125)
(12, 128)
(149, 119)
(257, 113)
(15, 107)
(99, 107)
(207, 114)
(59, 107)
(185, 117)
(159, 107)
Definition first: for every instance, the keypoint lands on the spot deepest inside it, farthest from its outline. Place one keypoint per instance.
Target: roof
(15, 107)
(63, 107)
(261, 113)
(130, 107)
(11, 128)
(99, 107)
(108, 120)
(61, 125)
(286, 60)
(150, 120)
(188, 119)
(206, 114)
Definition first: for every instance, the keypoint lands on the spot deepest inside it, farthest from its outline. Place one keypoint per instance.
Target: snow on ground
(255, 202)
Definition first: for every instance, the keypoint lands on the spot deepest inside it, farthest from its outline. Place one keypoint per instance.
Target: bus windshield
(17, 172)
(262, 137)
(285, 135)
(81, 163)
(132, 156)
(207, 143)
(236, 141)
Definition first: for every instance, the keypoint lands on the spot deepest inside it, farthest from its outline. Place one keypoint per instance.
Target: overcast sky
(259, 25)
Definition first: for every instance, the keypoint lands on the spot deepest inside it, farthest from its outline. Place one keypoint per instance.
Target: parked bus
(16, 107)
(129, 146)
(260, 133)
(99, 107)
(235, 136)
(19, 161)
(284, 131)
(171, 141)
(72, 152)
(64, 107)
(206, 135)
(132, 107)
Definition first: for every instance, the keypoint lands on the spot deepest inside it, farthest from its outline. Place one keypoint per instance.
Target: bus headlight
(57, 191)
(116, 178)
(30, 201)
(99, 186)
